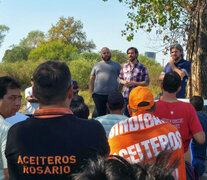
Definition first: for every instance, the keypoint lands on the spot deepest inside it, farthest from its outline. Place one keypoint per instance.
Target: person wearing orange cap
(144, 136)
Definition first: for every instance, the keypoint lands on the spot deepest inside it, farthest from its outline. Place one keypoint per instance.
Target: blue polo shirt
(184, 66)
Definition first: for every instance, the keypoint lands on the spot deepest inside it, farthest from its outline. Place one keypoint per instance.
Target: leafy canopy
(168, 15)
(69, 31)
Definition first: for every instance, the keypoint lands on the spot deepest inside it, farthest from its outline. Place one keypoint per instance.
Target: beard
(107, 58)
(132, 59)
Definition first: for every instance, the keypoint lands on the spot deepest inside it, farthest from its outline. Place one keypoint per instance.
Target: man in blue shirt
(198, 150)
(179, 65)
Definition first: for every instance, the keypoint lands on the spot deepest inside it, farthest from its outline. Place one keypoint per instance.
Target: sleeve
(194, 123)
(187, 68)
(165, 69)
(93, 72)
(3, 147)
(27, 93)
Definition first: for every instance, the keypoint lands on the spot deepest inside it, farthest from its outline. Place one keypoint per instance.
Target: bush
(54, 51)
(90, 56)
(80, 70)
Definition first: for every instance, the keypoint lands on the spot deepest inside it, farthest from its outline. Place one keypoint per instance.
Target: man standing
(198, 150)
(179, 65)
(103, 80)
(32, 102)
(132, 74)
(115, 104)
(180, 114)
(10, 102)
(53, 143)
(143, 136)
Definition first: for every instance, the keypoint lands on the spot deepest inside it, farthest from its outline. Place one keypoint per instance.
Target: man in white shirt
(32, 102)
(10, 102)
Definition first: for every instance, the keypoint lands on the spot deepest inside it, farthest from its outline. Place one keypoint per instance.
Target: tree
(3, 29)
(174, 19)
(17, 53)
(33, 39)
(54, 50)
(69, 31)
(118, 56)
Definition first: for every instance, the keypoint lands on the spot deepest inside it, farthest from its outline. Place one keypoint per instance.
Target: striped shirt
(136, 73)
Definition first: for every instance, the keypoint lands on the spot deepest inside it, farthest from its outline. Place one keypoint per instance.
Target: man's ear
(70, 92)
(178, 89)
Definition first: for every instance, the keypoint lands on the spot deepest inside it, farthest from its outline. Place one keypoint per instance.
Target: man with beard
(103, 80)
(132, 74)
(179, 65)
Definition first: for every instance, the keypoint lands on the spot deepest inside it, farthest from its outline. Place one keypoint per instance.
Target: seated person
(117, 168)
(144, 136)
(199, 150)
(115, 104)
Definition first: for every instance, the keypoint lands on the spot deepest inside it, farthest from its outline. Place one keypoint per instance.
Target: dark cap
(115, 98)
(75, 84)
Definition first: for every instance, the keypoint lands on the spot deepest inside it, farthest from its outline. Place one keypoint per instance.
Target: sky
(102, 22)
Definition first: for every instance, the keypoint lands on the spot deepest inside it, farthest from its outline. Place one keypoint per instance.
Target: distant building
(150, 55)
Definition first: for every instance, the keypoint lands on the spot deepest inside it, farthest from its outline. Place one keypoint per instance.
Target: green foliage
(3, 29)
(17, 53)
(90, 56)
(118, 56)
(149, 14)
(54, 50)
(69, 31)
(20, 70)
(33, 39)
(80, 70)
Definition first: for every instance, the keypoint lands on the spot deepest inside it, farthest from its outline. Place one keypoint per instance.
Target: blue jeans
(126, 112)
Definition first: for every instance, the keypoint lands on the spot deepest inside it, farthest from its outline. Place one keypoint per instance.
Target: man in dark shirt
(199, 150)
(54, 143)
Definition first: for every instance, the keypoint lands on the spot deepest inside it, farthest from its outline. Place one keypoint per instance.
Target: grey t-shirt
(106, 77)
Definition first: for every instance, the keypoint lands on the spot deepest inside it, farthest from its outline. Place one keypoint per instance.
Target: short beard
(131, 60)
(107, 58)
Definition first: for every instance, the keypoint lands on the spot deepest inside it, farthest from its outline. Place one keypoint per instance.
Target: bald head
(105, 54)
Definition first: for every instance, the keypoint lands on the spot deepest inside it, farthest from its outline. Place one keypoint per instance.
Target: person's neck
(58, 105)
(169, 97)
(178, 60)
(117, 112)
(106, 61)
(133, 62)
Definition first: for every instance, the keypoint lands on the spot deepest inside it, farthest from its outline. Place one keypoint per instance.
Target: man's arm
(31, 99)
(199, 137)
(161, 77)
(91, 84)
(6, 174)
(134, 83)
(174, 68)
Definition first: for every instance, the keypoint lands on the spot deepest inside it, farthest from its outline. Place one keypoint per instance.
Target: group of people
(133, 136)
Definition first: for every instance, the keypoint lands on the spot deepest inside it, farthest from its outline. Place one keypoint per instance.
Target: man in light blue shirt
(10, 102)
(115, 104)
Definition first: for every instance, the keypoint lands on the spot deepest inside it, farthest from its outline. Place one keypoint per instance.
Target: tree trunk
(197, 50)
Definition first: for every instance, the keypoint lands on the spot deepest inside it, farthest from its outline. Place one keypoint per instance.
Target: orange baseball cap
(138, 95)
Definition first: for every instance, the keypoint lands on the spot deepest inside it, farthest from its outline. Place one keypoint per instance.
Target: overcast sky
(102, 21)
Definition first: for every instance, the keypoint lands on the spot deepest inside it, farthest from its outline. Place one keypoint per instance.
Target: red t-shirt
(182, 115)
(144, 137)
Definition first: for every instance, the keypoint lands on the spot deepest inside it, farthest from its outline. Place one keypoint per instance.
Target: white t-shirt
(30, 107)
(16, 118)
(4, 127)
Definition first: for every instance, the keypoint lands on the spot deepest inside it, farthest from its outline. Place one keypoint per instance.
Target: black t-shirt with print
(53, 148)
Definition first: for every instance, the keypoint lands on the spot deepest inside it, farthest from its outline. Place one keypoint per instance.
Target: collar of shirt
(51, 112)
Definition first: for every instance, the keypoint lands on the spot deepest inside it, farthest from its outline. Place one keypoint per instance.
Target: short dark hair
(115, 101)
(79, 109)
(6, 83)
(52, 80)
(115, 168)
(171, 82)
(133, 48)
(197, 102)
(75, 84)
